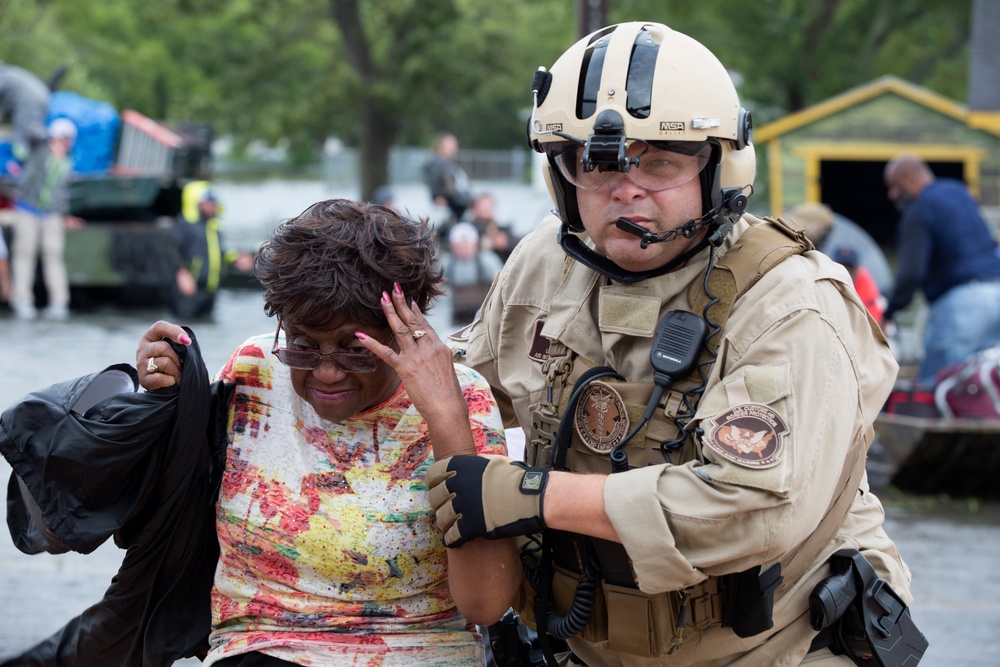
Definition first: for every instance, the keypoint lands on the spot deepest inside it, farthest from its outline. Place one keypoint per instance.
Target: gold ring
(418, 334)
(151, 366)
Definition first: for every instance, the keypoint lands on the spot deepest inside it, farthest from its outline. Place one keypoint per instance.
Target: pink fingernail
(183, 338)
(385, 297)
(396, 288)
(361, 334)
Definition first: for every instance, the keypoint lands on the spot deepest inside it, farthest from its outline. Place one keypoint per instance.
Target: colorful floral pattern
(330, 552)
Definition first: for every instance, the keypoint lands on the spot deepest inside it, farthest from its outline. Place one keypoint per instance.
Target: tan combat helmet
(647, 82)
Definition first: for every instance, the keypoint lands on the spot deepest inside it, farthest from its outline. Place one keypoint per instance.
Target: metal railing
(145, 148)
(512, 164)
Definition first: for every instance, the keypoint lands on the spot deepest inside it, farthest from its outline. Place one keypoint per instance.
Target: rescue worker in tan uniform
(699, 495)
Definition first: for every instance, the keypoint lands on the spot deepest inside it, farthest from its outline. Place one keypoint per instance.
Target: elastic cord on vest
(564, 434)
(677, 347)
(548, 621)
(619, 459)
(686, 411)
(573, 246)
(564, 626)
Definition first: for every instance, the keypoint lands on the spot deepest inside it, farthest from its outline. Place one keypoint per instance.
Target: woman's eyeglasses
(309, 360)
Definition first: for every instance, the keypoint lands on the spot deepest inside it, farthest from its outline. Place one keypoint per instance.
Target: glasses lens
(355, 362)
(569, 164)
(307, 360)
(300, 359)
(658, 169)
(661, 169)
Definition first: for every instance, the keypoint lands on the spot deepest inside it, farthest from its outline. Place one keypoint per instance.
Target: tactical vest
(576, 429)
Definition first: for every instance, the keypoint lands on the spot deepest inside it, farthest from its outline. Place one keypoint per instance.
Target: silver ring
(151, 366)
(418, 334)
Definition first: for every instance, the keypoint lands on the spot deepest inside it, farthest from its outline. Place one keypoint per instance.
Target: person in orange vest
(864, 283)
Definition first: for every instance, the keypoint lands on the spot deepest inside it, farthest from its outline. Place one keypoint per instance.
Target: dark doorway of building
(855, 190)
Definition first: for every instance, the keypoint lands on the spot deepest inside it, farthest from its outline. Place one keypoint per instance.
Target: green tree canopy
(379, 73)
(789, 54)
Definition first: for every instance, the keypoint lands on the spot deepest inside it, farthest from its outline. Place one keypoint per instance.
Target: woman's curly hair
(331, 264)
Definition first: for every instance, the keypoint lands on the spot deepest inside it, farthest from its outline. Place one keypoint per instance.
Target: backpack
(971, 389)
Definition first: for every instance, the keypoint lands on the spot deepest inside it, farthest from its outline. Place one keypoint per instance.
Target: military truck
(128, 202)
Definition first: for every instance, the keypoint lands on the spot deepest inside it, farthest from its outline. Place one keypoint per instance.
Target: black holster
(871, 623)
(510, 643)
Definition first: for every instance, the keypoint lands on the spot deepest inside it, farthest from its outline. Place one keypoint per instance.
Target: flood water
(952, 547)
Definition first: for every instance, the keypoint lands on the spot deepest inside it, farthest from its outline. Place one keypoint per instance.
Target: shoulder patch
(749, 434)
(539, 344)
(462, 335)
(601, 419)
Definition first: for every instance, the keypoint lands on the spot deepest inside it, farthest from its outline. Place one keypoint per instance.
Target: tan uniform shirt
(798, 346)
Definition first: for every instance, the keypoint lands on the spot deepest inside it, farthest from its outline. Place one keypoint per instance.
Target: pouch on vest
(750, 599)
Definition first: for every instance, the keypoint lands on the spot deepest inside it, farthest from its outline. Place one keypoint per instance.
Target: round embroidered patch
(749, 435)
(601, 420)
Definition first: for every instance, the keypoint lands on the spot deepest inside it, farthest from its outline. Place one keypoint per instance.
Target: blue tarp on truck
(97, 125)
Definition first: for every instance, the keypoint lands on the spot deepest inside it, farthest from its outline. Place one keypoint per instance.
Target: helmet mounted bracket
(606, 149)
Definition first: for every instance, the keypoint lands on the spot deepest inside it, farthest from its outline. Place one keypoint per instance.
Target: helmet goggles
(654, 165)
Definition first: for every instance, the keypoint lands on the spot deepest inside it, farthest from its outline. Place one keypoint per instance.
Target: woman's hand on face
(157, 363)
(423, 363)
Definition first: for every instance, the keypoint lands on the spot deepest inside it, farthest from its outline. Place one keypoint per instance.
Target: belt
(823, 640)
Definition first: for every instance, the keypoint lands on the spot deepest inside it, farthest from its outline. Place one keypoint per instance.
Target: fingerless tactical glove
(486, 496)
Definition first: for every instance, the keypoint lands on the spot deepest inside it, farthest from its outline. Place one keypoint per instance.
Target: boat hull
(958, 457)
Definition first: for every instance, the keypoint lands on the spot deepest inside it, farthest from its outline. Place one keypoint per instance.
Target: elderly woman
(329, 550)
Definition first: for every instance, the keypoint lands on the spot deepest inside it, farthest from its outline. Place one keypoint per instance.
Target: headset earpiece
(744, 130)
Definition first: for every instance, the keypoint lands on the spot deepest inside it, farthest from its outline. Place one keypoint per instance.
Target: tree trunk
(377, 133)
(378, 129)
(591, 16)
(984, 57)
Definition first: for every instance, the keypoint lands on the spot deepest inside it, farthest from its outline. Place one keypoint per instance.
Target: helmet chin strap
(723, 217)
(573, 246)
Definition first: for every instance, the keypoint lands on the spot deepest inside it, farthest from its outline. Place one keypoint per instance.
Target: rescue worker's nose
(623, 187)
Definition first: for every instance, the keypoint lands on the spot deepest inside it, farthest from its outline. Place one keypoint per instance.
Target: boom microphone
(647, 236)
(687, 230)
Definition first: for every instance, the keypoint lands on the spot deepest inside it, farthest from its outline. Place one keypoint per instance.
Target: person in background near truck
(24, 103)
(493, 236)
(383, 196)
(41, 216)
(199, 253)
(469, 271)
(946, 251)
(449, 184)
(4, 270)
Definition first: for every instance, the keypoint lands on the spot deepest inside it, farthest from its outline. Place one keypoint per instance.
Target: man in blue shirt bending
(945, 250)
